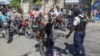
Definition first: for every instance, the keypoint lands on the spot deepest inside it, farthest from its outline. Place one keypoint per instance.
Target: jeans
(18, 24)
(10, 32)
(41, 47)
(49, 52)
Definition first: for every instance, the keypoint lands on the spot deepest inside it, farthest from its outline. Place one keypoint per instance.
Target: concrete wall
(60, 3)
(50, 3)
(47, 6)
(25, 7)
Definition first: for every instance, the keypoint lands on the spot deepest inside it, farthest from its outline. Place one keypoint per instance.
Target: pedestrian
(49, 44)
(10, 31)
(40, 20)
(5, 22)
(57, 11)
(4, 18)
(94, 14)
(40, 35)
(30, 12)
(70, 19)
(79, 26)
(18, 19)
(51, 15)
(0, 19)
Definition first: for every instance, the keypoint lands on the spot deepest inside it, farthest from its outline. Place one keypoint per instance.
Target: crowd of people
(77, 21)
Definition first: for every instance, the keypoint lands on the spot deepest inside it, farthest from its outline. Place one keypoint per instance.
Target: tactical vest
(82, 25)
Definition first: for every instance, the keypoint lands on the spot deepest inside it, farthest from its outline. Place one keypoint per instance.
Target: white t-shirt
(18, 15)
(57, 13)
(70, 12)
(52, 13)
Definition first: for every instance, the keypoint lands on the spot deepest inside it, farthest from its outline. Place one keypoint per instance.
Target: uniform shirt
(77, 20)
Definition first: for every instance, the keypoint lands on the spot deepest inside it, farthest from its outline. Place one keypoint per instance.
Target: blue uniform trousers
(78, 42)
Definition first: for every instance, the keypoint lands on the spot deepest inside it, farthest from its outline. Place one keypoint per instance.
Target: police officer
(79, 25)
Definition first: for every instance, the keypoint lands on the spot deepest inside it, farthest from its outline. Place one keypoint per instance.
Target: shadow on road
(27, 54)
(62, 51)
(57, 35)
(70, 48)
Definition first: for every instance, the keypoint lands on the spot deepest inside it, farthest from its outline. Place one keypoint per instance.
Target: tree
(38, 3)
(35, 1)
(15, 3)
(26, 0)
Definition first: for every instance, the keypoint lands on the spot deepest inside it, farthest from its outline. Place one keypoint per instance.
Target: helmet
(77, 11)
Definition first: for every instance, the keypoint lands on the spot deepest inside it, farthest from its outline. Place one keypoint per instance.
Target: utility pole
(44, 7)
(30, 4)
(21, 3)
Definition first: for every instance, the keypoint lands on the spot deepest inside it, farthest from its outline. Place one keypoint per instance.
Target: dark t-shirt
(41, 30)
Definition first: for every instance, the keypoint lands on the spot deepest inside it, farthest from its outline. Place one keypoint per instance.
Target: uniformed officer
(79, 25)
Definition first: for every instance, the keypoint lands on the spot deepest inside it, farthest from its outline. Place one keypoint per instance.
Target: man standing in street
(79, 25)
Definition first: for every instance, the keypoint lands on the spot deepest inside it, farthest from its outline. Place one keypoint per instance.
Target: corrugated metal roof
(5, 1)
(71, 1)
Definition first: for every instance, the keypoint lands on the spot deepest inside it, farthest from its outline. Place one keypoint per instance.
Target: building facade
(71, 3)
(48, 4)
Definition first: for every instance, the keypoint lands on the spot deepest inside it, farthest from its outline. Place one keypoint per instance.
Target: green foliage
(26, 0)
(38, 2)
(34, 1)
(15, 3)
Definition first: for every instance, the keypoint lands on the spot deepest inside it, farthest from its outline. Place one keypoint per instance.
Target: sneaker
(9, 41)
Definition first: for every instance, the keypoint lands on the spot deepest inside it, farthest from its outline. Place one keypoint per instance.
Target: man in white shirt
(57, 11)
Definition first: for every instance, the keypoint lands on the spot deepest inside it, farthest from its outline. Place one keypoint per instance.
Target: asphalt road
(22, 45)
